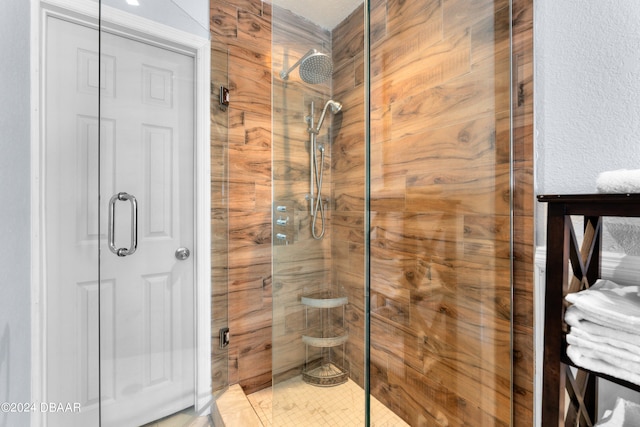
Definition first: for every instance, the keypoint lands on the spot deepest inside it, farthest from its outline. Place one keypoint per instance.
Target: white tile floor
(295, 403)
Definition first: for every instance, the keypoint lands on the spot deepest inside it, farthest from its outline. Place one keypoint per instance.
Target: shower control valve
(282, 238)
(282, 221)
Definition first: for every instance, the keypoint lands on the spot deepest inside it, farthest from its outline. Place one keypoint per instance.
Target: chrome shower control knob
(182, 253)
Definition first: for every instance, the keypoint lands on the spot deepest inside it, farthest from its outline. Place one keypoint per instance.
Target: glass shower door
(318, 214)
(430, 177)
(147, 200)
(70, 227)
(118, 152)
(440, 209)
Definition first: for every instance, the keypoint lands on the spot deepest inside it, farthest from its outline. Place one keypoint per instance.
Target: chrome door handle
(134, 224)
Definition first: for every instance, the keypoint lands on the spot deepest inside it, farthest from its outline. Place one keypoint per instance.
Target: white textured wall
(15, 317)
(587, 108)
(587, 91)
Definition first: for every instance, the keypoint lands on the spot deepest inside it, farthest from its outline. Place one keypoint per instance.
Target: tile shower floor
(299, 404)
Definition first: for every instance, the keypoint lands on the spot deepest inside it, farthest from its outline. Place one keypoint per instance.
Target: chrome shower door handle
(112, 224)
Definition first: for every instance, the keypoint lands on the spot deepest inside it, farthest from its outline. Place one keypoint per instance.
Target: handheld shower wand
(335, 108)
(316, 204)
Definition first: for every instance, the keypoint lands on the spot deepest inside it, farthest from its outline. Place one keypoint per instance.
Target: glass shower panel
(71, 231)
(317, 215)
(147, 195)
(219, 219)
(441, 211)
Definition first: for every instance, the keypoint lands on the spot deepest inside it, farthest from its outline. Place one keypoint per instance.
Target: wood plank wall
(438, 251)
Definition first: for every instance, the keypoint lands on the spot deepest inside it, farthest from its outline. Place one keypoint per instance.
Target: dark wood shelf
(570, 268)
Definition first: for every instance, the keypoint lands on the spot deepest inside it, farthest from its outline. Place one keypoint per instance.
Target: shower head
(335, 108)
(315, 67)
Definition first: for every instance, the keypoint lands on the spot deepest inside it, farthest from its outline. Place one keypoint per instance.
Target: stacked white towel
(619, 181)
(605, 329)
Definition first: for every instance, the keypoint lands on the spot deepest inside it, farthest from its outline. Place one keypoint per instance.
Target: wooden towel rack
(571, 268)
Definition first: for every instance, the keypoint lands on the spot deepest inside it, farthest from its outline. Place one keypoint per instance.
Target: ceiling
(325, 13)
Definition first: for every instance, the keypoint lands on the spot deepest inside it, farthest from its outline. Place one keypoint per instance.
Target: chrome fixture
(315, 67)
(284, 230)
(316, 204)
(335, 108)
(182, 253)
(112, 224)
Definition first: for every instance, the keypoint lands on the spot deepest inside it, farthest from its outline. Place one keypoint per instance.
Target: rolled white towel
(619, 181)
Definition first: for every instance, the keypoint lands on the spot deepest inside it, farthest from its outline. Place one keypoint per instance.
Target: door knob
(182, 253)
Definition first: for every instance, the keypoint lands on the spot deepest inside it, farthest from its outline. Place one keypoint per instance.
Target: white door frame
(141, 29)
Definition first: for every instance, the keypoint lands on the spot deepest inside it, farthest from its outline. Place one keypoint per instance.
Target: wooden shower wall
(432, 61)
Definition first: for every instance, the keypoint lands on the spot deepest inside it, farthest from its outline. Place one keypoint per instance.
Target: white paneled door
(120, 329)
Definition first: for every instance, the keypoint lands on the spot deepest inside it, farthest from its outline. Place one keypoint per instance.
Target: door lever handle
(122, 196)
